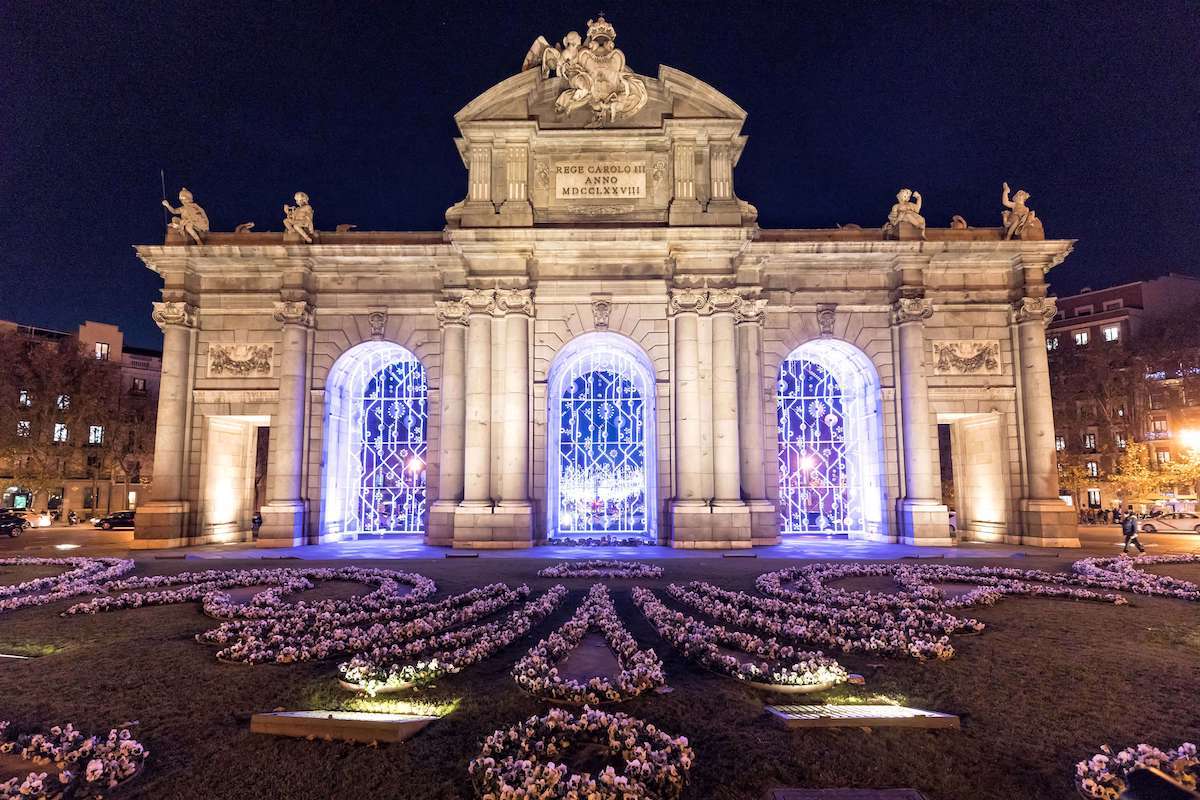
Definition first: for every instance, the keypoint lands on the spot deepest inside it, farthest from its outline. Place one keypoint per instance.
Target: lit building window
(139, 386)
(1060, 443)
(102, 351)
(1089, 441)
(60, 432)
(96, 434)
(1093, 498)
(24, 398)
(1051, 342)
(1121, 441)
(64, 401)
(1164, 456)
(1120, 411)
(1081, 338)
(1158, 425)
(23, 428)
(1111, 333)
(1093, 469)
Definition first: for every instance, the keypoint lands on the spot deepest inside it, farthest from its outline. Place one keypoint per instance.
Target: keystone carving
(826, 316)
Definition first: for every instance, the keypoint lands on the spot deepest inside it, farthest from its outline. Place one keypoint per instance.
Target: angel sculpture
(298, 219)
(1020, 221)
(595, 71)
(190, 219)
(905, 209)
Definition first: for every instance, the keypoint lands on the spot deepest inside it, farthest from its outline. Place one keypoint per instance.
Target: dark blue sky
(1092, 107)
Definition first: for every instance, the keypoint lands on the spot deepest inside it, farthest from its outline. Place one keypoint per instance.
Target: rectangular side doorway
(975, 477)
(229, 477)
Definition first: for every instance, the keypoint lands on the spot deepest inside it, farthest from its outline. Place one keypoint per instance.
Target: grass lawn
(1046, 684)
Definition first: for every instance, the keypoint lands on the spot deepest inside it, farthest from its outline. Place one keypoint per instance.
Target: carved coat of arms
(595, 71)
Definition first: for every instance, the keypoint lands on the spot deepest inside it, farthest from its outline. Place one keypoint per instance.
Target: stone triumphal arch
(602, 342)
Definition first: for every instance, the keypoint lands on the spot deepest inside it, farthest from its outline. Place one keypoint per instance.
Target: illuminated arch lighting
(376, 442)
(601, 455)
(829, 441)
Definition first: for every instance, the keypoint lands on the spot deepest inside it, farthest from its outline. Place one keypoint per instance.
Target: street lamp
(1190, 438)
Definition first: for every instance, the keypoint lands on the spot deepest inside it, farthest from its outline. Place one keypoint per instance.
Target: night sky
(1092, 107)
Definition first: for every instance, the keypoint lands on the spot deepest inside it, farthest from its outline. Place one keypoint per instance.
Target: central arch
(376, 429)
(600, 448)
(829, 441)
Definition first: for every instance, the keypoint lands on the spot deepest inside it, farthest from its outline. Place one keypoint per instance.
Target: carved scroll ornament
(912, 309)
(1031, 309)
(173, 313)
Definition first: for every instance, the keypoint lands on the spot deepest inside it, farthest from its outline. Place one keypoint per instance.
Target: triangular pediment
(527, 96)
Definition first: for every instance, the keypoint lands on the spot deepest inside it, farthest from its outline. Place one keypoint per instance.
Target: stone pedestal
(924, 522)
(161, 524)
(479, 527)
(1046, 523)
(283, 523)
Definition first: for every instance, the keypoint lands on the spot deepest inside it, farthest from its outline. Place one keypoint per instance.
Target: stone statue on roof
(905, 211)
(595, 71)
(1019, 220)
(190, 219)
(298, 219)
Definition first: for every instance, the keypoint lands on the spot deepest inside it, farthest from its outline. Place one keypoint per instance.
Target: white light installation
(376, 441)
(600, 411)
(827, 399)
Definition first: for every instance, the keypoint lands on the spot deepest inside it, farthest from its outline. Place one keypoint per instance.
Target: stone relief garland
(240, 360)
(967, 357)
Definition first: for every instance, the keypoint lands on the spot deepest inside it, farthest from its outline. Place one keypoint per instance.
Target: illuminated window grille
(816, 494)
(387, 437)
(602, 445)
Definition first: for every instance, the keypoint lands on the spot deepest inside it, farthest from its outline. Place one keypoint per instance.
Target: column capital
(751, 311)
(723, 301)
(515, 301)
(450, 312)
(1034, 309)
(174, 313)
(687, 300)
(479, 301)
(294, 312)
(912, 309)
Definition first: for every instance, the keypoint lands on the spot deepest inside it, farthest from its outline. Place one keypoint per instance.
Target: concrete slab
(860, 716)
(346, 726)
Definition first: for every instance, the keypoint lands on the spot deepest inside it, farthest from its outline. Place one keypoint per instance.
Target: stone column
(754, 461)
(1047, 520)
(480, 174)
(516, 210)
(685, 208)
(690, 514)
(727, 483)
(517, 307)
(730, 516)
(923, 518)
(477, 436)
(162, 522)
(285, 513)
(452, 317)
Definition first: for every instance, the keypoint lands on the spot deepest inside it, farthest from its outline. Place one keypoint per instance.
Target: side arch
(829, 441)
(601, 451)
(376, 441)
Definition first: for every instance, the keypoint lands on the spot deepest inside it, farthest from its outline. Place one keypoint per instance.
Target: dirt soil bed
(1043, 687)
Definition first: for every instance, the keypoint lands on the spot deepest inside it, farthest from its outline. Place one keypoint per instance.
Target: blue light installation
(375, 437)
(600, 401)
(816, 491)
(392, 424)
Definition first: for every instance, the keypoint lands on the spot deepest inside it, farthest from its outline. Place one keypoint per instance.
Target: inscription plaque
(599, 178)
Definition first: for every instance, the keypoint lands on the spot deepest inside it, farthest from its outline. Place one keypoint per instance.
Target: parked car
(36, 519)
(1173, 522)
(120, 519)
(11, 525)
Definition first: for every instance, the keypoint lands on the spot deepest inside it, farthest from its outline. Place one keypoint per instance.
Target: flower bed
(600, 568)
(808, 671)
(386, 667)
(84, 576)
(1105, 774)
(84, 767)
(641, 670)
(526, 760)
(1121, 574)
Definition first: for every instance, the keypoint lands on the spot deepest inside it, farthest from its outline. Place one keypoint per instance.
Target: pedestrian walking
(1129, 527)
